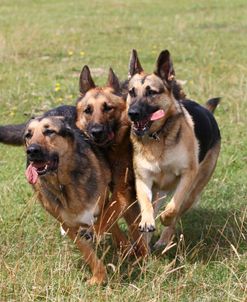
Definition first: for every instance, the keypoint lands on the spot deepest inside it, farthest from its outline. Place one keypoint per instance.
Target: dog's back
(206, 128)
(13, 134)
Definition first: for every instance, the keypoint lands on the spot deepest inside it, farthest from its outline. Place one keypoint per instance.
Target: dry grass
(43, 45)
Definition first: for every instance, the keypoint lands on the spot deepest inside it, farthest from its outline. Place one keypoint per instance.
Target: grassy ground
(43, 45)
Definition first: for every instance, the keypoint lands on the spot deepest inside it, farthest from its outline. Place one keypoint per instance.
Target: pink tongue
(157, 115)
(111, 135)
(31, 174)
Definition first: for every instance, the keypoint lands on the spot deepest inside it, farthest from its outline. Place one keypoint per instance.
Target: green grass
(43, 46)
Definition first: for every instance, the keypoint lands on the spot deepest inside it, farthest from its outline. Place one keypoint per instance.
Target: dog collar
(165, 128)
(155, 136)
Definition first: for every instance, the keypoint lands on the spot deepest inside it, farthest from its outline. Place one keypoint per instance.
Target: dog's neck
(165, 128)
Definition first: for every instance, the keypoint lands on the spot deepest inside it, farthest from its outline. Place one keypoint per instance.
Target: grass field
(43, 46)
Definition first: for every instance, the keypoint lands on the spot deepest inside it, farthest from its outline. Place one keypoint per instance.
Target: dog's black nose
(97, 131)
(34, 151)
(134, 114)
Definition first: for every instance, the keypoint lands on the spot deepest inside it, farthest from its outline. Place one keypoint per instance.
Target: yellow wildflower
(57, 87)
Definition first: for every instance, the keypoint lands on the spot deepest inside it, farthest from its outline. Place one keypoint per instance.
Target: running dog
(101, 115)
(176, 143)
(71, 179)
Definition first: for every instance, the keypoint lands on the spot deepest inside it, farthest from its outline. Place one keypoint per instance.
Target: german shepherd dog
(101, 115)
(176, 144)
(71, 179)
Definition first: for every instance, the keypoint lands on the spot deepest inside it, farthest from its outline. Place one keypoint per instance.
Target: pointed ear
(86, 82)
(134, 64)
(66, 129)
(164, 66)
(113, 81)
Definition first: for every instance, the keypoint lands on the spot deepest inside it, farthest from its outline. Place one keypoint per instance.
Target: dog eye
(151, 92)
(48, 132)
(107, 108)
(28, 135)
(132, 92)
(88, 110)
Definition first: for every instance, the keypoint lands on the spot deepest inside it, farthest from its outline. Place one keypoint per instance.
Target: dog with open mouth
(176, 143)
(101, 115)
(71, 179)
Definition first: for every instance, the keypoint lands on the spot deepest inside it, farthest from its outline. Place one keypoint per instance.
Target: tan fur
(167, 157)
(165, 163)
(119, 153)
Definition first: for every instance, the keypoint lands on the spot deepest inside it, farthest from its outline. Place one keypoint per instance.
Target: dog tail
(12, 134)
(211, 104)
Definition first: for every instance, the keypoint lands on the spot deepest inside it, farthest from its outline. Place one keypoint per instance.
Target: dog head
(99, 109)
(151, 97)
(47, 141)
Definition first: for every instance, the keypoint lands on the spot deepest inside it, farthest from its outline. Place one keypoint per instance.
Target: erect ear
(134, 64)
(113, 81)
(164, 66)
(86, 82)
(66, 129)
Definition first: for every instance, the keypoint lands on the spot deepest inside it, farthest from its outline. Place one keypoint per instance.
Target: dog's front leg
(107, 221)
(173, 207)
(96, 265)
(144, 197)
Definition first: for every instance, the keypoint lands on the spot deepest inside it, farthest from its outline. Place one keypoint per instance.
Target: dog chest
(166, 170)
(171, 161)
(85, 217)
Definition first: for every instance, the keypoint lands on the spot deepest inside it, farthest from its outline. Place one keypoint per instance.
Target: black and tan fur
(101, 114)
(108, 128)
(175, 153)
(73, 180)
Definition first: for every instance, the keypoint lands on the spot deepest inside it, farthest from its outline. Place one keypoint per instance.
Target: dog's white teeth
(46, 166)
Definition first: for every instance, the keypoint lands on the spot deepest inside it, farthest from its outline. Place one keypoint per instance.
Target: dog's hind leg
(204, 174)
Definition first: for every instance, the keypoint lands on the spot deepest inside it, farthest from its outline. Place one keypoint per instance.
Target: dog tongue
(111, 135)
(157, 115)
(31, 174)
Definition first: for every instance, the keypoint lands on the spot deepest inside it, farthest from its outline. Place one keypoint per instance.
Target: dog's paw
(87, 235)
(147, 225)
(165, 240)
(169, 214)
(96, 281)
(158, 245)
(99, 277)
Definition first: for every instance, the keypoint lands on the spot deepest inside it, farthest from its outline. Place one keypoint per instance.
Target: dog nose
(33, 151)
(97, 132)
(134, 114)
